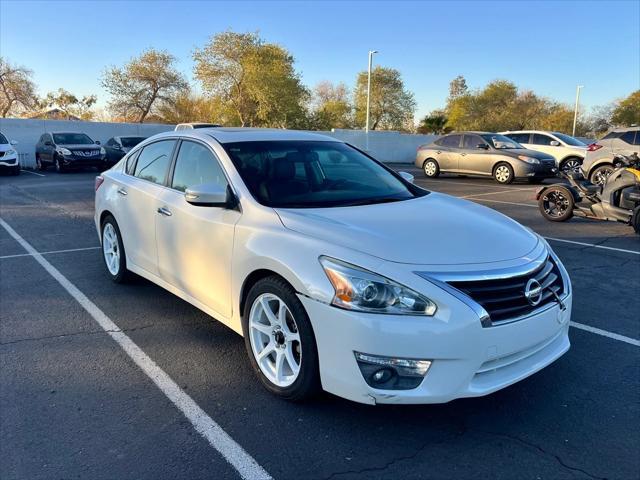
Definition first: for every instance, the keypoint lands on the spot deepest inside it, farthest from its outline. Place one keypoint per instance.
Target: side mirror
(554, 143)
(483, 146)
(406, 176)
(13, 142)
(208, 195)
(48, 143)
(97, 142)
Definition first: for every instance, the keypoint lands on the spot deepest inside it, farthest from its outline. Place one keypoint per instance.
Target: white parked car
(339, 273)
(568, 151)
(9, 156)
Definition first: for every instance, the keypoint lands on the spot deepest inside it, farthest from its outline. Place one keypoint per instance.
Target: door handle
(164, 211)
(463, 154)
(438, 152)
(122, 192)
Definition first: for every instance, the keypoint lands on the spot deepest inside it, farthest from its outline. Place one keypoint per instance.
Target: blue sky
(547, 46)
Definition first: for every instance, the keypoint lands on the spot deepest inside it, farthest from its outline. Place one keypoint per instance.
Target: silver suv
(600, 159)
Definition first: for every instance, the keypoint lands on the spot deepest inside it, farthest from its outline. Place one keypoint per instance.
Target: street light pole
(575, 112)
(371, 52)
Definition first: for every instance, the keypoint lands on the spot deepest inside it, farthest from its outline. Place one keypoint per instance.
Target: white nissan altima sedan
(340, 274)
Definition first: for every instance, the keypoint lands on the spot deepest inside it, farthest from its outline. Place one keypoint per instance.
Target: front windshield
(3, 139)
(130, 142)
(71, 139)
(308, 174)
(569, 140)
(500, 142)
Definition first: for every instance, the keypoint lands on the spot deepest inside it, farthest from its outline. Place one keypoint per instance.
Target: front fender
(571, 188)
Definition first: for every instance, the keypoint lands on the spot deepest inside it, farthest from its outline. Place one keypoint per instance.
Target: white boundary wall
(386, 146)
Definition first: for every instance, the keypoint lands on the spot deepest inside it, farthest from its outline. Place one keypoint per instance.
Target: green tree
(256, 79)
(70, 104)
(627, 111)
(331, 107)
(392, 105)
(17, 90)
(435, 123)
(190, 107)
(144, 84)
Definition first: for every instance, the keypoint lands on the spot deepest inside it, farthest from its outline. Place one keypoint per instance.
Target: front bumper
(467, 359)
(7, 162)
(74, 161)
(547, 169)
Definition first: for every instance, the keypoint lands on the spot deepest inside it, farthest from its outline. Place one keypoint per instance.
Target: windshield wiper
(372, 201)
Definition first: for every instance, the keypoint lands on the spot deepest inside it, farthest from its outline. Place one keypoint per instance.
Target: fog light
(390, 373)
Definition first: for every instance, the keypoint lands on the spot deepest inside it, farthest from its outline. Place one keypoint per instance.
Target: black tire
(635, 220)
(430, 168)
(599, 175)
(39, 165)
(571, 164)
(15, 170)
(556, 204)
(58, 164)
(307, 384)
(500, 177)
(122, 274)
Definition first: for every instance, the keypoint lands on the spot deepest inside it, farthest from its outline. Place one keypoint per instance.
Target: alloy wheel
(555, 204)
(275, 340)
(430, 169)
(601, 175)
(110, 249)
(571, 166)
(502, 174)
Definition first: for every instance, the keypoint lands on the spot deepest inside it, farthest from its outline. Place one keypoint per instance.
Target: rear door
(449, 158)
(195, 243)
(137, 202)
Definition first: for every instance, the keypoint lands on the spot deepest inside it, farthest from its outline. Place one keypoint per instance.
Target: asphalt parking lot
(73, 404)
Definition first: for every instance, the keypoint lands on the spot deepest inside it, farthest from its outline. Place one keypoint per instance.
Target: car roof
(471, 132)
(625, 129)
(64, 131)
(242, 134)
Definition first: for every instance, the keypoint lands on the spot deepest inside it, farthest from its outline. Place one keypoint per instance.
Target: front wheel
(571, 165)
(503, 173)
(280, 341)
(59, 166)
(39, 165)
(556, 204)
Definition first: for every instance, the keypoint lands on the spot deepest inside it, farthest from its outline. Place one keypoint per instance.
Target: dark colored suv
(67, 150)
(118, 147)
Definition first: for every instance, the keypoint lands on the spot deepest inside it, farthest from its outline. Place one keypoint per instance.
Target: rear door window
(153, 162)
(452, 141)
(519, 137)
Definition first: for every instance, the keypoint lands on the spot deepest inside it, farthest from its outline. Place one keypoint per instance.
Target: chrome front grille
(504, 299)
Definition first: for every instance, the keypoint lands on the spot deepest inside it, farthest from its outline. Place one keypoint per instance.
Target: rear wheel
(601, 174)
(556, 204)
(503, 173)
(431, 168)
(280, 341)
(113, 251)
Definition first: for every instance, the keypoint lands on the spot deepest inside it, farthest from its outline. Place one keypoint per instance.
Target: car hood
(529, 153)
(436, 229)
(80, 146)
(4, 147)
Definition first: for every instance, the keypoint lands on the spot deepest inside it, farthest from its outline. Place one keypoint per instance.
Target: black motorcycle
(617, 200)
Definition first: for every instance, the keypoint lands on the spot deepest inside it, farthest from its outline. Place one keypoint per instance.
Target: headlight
(64, 151)
(364, 291)
(531, 160)
(10, 152)
(102, 151)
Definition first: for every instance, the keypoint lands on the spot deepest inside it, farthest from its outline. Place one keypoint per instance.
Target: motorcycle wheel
(556, 204)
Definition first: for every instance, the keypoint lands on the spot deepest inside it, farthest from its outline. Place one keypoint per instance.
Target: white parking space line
(472, 197)
(603, 247)
(33, 173)
(604, 333)
(244, 464)
(50, 252)
(498, 192)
